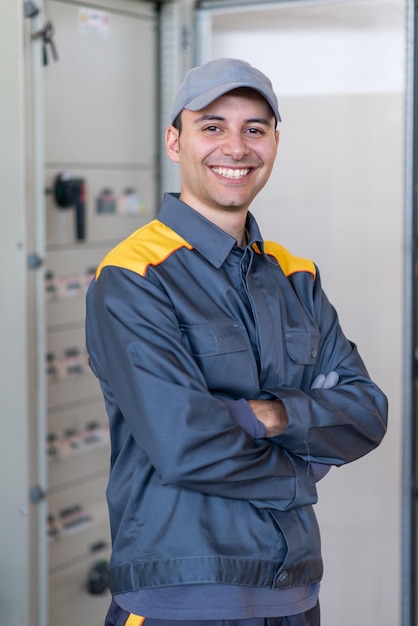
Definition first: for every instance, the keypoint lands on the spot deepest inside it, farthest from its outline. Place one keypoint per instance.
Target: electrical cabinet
(100, 166)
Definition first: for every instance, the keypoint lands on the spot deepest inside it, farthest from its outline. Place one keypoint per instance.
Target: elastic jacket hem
(214, 569)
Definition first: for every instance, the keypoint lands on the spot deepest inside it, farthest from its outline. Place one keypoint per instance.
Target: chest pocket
(224, 356)
(302, 349)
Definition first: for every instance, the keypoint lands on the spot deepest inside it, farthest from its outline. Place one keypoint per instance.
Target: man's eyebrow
(207, 117)
(259, 120)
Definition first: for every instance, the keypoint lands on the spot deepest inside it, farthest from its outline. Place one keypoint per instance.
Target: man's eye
(255, 131)
(212, 129)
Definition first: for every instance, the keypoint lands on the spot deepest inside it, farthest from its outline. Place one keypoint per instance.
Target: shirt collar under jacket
(205, 237)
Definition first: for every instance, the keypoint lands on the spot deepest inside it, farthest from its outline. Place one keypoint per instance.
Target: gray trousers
(119, 617)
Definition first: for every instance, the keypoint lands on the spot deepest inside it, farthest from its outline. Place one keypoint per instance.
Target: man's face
(226, 151)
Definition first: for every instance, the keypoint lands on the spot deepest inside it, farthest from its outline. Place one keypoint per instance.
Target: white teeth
(229, 173)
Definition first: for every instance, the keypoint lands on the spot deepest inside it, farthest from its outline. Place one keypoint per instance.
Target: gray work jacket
(180, 319)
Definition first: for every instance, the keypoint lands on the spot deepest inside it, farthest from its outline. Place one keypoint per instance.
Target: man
(229, 384)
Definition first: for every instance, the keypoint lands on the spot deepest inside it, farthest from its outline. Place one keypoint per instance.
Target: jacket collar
(205, 237)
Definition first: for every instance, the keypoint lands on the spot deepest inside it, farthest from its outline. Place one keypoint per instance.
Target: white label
(93, 22)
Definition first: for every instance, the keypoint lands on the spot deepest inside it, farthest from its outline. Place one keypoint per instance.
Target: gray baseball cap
(204, 84)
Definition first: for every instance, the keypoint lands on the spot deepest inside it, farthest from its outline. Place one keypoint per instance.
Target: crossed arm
(273, 414)
(274, 417)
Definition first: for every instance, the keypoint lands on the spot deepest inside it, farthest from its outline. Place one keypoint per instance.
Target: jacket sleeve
(338, 425)
(242, 414)
(152, 383)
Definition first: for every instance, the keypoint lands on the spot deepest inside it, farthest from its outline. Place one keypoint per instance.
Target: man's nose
(235, 146)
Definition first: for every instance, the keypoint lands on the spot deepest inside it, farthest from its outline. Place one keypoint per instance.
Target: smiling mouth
(234, 174)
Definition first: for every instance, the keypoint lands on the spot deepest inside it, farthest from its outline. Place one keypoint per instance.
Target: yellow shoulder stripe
(290, 264)
(149, 245)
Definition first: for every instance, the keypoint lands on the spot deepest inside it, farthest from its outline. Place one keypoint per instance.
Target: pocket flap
(221, 337)
(302, 347)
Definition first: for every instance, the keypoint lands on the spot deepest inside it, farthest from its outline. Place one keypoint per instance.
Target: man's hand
(272, 414)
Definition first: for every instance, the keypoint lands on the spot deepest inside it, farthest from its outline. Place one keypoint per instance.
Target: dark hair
(177, 123)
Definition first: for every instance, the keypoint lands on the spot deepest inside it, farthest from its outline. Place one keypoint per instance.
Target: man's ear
(172, 143)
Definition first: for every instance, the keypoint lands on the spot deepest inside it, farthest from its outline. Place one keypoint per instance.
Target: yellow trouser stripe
(135, 620)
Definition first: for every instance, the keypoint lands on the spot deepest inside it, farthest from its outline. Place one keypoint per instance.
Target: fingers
(318, 383)
(331, 380)
(325, 382)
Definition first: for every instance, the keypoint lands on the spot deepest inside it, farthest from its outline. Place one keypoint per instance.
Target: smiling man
(229, 384)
